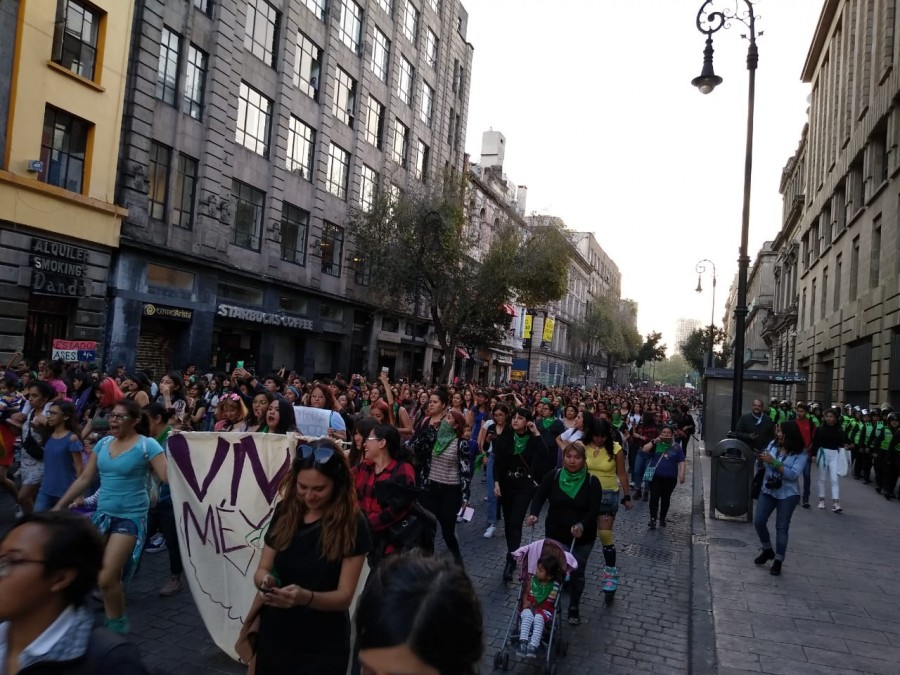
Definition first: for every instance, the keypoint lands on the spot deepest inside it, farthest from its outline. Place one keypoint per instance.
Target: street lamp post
(709, 22)
(701, 268)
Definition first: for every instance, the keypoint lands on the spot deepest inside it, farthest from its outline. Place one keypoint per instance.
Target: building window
(249, 204)
(386, 5)
(405, 81)
(344, 101)
(75, 38)
(457, 124)
(450, 127)
(435, 5)
(422, 157)
(300, 148)
(374, 122)
(161, 276)
(167, 66)
(338, 171)
(351, 24)
(838, 263)
(261, 30)
(368, 188)
(204, 6)
(381, 54)
(812, 304)
(411, 22)
(185, 189)
(400, 149)
(194, 83)
(307, 66)
(854, 269)
(823, 310)
(294, 226)
(317, 7)
(431, 48)
(456, 75)
(254, 120)
(160, 157)
(875, 256)
(332, 248)
(426, 105)
(63, 147)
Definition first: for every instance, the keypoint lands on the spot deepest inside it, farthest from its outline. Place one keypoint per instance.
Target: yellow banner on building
(549, 323)
(526, 332)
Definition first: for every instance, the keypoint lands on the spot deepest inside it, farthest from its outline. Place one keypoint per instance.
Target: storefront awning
(503, 360)
(462, 353)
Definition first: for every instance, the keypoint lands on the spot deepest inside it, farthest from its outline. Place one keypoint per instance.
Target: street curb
(701, 633)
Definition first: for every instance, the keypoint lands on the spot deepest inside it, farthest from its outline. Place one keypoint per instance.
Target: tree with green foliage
(605, 329)
(420, 252)
(695, 349)
(673, 370)
(651, 350)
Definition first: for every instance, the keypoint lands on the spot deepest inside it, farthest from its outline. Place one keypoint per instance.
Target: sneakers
(764, 557)
(574, 616)
(652, 524)
(836, 508)
(805, 505)
(121, 625)
(821, 503)
(171, 587)
(489, 532)
(157, 544)
(776, 568)
(609, 577)
(531, 652)
(522, 649)
(662, 522)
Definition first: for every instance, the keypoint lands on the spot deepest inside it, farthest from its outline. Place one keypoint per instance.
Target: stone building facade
(251, 130)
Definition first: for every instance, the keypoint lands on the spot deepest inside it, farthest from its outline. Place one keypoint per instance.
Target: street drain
(650, 553)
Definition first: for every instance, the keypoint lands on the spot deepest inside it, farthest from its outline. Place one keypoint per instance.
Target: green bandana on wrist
(570, 483)
(446, 434)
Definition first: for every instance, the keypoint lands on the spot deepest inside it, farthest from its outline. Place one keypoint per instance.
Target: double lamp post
(710, 21)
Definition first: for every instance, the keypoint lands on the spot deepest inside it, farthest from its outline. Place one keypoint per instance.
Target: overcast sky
(605, 129)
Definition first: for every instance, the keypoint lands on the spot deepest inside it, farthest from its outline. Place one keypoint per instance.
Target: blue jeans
(641, 461)
(44, 502)
(491, 497)
(807, 479)
(784, 509)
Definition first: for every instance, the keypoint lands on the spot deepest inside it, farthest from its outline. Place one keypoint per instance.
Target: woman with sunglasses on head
(62, 455)
(384, 461)
(123, 459)
(514, 479)
(310, 567)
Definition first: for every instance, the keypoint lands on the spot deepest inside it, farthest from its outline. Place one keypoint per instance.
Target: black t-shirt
(563, 511)
(302, 640)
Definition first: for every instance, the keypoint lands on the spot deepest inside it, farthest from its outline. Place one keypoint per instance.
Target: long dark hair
(286, 420)
(793, 439)
(67, 410)
(408, 601)
(602, 428)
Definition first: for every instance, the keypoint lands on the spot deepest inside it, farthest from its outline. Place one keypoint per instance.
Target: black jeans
(163, 517)
(517, 494)
(661, 490)
(444, 501)
(576, 581)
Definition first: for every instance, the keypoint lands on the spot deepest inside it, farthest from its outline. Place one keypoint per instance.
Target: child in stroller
(539, 604)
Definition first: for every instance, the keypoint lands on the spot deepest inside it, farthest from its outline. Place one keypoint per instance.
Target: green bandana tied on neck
(446, 434)
(547, 421)
(519, 443)
(571, 483)
(617, 419)
(540, 589)
(663, 446)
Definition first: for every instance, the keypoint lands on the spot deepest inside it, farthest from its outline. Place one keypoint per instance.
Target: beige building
(837, 293)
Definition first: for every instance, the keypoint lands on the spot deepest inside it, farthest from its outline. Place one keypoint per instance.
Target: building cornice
(820, 39)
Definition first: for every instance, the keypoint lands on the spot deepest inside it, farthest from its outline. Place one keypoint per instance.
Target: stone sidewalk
(835, 610)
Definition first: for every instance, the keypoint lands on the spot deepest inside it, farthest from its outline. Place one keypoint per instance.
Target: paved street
(835, 610)
(644, 631)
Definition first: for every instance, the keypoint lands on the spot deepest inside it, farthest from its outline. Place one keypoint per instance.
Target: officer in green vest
(892, 463)
(774, 411)
(862, 469)
(815, 413)
(875, 447)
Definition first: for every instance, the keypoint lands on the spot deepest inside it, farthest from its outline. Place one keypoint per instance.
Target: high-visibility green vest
(887, 438)
(774, 414)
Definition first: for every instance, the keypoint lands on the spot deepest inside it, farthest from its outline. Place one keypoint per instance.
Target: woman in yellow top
(606, 460)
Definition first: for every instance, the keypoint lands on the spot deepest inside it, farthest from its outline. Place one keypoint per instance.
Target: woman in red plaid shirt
(383, 462)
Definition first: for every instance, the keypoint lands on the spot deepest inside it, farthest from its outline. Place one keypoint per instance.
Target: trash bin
(733, 466)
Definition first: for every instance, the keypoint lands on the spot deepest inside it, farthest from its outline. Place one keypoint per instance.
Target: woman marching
(667, 466)
(515, 451)
(827, 443)
(784, 460)
(574, 497)
(606, 460)
(62, 455)
(123, 458)
(310, 567)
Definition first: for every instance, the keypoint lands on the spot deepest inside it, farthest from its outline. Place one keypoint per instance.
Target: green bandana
(540, 590)
(616, 419)
(662, 446)
(547, 421)
(446, 433)
(519, 443)
(571, 483)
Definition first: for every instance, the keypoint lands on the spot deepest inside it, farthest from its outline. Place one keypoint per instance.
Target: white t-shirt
(571, 435)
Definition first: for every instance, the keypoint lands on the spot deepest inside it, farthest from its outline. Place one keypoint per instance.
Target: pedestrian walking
(827, 443)
(667, 466)
(62, 455)
(784, 461)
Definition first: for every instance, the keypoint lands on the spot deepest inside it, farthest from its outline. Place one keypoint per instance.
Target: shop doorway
(231, 348)
(47, 320)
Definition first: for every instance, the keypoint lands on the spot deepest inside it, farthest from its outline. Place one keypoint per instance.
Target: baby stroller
(552, 642)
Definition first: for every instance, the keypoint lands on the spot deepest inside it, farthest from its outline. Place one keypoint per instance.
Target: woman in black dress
(515, 452)
(310, 567)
